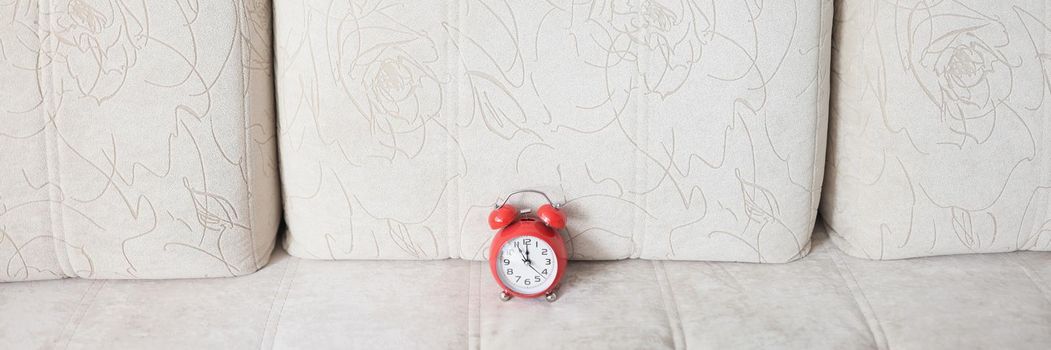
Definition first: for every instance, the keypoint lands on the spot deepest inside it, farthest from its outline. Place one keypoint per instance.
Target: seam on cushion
(638, 237)
(277, 304)
(474, 305)
(453, 228)
(1037, 281)
(455, 11)
(1041, 208)
(671, 308)
(1046, 174)
(73, 324)
(861, 301)
(51, 156)
(245, 126)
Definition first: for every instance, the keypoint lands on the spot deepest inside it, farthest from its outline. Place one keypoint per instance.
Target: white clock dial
(527, 265)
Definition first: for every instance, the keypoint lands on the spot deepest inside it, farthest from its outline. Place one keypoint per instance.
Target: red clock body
(528, 248)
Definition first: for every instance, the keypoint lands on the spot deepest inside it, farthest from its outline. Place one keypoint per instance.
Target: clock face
(527, 265)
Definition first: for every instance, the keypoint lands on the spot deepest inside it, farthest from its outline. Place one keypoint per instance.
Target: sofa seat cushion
(136, 139)
(827, 300)
(690, 130)
(940, 133)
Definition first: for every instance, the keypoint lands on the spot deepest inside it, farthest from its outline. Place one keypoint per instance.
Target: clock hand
(525, 256)
(537, 272)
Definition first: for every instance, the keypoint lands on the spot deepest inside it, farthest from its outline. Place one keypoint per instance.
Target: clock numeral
(510, 272)
(544, 272)
(547, 261)
(528, 282)
(526, 241)
(537, 278)
(543, 252)
(507, 262)
(518, 278)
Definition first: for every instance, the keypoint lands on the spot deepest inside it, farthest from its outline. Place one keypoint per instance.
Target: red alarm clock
(528, 255)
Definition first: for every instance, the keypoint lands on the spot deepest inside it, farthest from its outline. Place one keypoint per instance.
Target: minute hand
(537, 272)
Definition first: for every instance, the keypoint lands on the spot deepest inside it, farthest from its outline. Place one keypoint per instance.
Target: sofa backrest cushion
(940, 138)
(136, 139)
(671, 129)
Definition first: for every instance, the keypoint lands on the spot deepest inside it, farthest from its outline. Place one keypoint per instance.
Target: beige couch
(693, 143)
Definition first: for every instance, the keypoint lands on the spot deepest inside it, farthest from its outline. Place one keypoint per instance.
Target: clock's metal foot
(551, 297)
(505, 296)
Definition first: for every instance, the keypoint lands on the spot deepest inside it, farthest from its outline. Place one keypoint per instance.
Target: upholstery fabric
(136, 139)
(690, 130)
(826, 300)
(940, 134)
